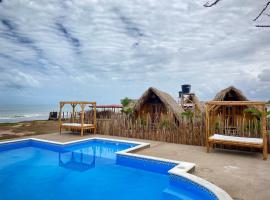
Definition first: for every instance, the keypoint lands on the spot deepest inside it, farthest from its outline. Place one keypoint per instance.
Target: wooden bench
(238, 141)
(212, 113)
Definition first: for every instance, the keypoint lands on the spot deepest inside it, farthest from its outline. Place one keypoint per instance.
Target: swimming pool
(93, 169)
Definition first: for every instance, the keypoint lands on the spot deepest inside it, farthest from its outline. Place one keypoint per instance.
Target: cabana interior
(80, 118)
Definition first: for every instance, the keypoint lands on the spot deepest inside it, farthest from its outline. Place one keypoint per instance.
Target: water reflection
(82, 157)
(78, 160)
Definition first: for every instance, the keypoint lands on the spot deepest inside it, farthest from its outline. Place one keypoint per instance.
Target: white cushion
(236, 139)
(76, 124)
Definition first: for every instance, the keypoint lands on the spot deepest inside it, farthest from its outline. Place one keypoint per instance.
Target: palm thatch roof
(170, 104)
(198, 105)
(230, 94)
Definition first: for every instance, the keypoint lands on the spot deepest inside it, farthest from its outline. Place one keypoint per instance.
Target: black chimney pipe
(186, 88)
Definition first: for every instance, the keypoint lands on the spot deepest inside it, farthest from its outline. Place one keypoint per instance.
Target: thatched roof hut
(227, 117)
(230, 94)
(154, 100)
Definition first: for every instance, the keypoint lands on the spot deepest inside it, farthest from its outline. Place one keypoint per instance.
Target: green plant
(125, 101)
(268, 113)
(188, 114)
(217, 126)
(127, 111)
(164, 123)
(254, 112)
(8, 124)
(142, 121)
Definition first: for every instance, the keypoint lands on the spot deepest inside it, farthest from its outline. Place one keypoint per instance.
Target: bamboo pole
(60, 116)
(264, 132)
(73, 112)
(95, 118)
(82, 118)
(207, 127)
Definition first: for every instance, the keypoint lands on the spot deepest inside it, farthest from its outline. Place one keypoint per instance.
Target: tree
(125, 101)
(263, 12)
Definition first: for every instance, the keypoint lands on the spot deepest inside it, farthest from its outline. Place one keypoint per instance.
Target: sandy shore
(28, 128)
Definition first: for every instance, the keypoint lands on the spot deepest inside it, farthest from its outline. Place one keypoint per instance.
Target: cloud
(264, 76)
(123, 47)
(16, 80)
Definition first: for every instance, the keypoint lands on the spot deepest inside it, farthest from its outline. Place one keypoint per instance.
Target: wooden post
(95, 118)
(82, 118)
(264, 132)
(207, 128)
(73, 112)
(60, 116)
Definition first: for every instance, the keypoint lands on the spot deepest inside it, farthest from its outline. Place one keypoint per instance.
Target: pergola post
(95, 117)
(60, 116)
(264, 132)
(73, 112)
(82, 118)
(207, 128)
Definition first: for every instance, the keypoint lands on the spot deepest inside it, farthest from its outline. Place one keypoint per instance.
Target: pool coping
(181, 169)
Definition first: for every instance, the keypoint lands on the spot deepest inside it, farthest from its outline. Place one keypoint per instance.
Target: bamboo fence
(189, 131)
(185, 132)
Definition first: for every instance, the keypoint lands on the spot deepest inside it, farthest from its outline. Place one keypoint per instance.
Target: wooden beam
(236, 103)
(78, 102)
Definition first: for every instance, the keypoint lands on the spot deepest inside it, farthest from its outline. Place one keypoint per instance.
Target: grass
(8, 124)
(40, 132)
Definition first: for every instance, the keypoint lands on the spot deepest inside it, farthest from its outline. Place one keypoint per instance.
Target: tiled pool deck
(245, 176)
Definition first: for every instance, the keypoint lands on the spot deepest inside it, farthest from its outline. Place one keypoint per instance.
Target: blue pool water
(88, 170)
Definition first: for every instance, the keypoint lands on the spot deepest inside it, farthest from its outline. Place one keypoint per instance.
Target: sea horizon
(12, 113)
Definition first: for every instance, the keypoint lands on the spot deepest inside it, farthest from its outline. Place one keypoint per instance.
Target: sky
(104, 50)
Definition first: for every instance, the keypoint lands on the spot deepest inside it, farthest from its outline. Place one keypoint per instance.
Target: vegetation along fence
(188, 131)
(183, 132)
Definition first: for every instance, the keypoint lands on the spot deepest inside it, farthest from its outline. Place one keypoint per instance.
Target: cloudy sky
(104, 50)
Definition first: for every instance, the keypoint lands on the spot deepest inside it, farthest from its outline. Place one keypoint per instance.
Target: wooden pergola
(212, 137)
(81, 126)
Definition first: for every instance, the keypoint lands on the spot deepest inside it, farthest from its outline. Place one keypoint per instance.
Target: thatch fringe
(231, 93)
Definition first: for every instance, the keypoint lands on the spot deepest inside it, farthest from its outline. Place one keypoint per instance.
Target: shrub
(188, 114)
(125, 101)
(254, 112)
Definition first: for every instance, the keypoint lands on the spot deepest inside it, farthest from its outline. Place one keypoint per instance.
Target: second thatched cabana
(155, 103)
(234, 120)
(228, 118)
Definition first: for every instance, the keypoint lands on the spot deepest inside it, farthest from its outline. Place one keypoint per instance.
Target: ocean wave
(16, 116)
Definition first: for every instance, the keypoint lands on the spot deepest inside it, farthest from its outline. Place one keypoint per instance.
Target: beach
(18, 113)
(27, 128)
(26, 120)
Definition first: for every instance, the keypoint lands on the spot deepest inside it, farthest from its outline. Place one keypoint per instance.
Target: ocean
(17, 113)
